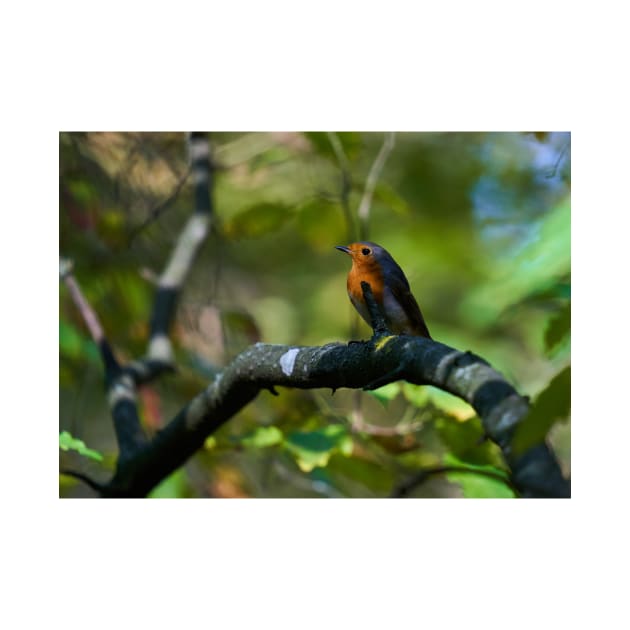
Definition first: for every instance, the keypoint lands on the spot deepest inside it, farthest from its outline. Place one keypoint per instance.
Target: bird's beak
(343, 248)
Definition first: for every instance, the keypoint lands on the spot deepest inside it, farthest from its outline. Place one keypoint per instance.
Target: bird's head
(363, 253)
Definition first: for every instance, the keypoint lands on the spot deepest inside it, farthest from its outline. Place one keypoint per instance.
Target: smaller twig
(346, 182)
(149, 275)
(386, 379)
(98, 487)
(157, 210)
(146, 370)
(374, 429)
(112, 367)
(404, 488)
(380, 328)
(87, 312)
(379, 325)
(554, 169)
(357, 420)
(366, 201)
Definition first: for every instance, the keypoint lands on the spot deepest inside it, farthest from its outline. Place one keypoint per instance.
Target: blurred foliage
(480, 222)
(552, 404)
(175, 485)
(68, 443)
(479, 486)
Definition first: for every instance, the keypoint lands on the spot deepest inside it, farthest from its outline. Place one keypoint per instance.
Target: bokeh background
(480, 222)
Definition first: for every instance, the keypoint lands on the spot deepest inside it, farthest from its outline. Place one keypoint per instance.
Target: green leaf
(263, 437)
(422, 395)
(453, 405)
(70, 341)
(173, 487)
(68, 443)
(558, 290)
(274, 155)
(353, 474)
(74, 345)
(479, 486)
(563, 290)
(321, 222)
(258, 220)
(417, 395)
(390, 198)
(134, 293)
(386, 393)
(83, 191)
(210, 443)
(552, 404)
(316, 447)
(345, 445)
(458, 437)
(111, 227)
(536, 269)
(464, 441)
(558, 328)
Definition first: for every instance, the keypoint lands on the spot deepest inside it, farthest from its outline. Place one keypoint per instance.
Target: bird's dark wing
(395, 279)
(405, 298)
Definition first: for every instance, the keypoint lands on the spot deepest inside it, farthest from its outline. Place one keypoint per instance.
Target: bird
(374, 264)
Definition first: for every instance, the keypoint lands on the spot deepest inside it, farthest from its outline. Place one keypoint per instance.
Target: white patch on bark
(160, 349)
(190, 239)
(199, 148)
(445, 364)
(287, 360)
(122, 390)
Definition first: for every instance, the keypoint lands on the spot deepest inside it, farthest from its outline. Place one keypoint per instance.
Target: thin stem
(346, 183)
(157, 210)
(97, 487)
(366, 201)
(87, 312)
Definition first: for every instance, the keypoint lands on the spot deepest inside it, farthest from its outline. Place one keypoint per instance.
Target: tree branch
(416, 359)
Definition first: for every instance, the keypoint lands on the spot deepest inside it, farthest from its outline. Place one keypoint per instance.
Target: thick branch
(418, 360)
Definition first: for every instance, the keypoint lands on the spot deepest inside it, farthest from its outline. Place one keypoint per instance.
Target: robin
(373, 264)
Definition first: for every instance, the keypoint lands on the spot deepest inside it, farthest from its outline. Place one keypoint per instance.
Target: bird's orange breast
(365, 272)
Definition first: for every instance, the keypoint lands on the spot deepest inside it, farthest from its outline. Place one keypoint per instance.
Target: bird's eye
(365, 251)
